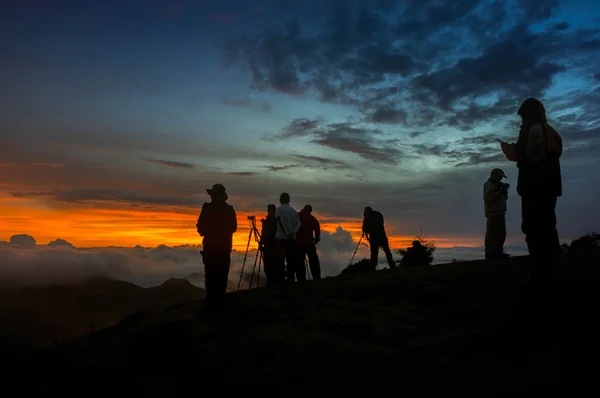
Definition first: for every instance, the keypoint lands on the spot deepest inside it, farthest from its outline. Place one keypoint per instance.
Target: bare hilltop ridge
(41, 316)
(460, 326)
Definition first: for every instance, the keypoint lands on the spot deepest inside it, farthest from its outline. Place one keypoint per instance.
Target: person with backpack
(309, 235)
(288, 224)
(216, 224)
(374, 230)
(537, 153)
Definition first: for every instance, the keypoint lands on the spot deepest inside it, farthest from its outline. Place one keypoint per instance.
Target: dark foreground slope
(38, 316)
(471, 326)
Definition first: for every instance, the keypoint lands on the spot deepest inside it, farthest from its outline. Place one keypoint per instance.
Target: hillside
(40, 316)
(466, 326)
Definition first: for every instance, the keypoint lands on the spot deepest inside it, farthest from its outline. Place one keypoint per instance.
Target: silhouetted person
(416, 255)
(537, 153)
(374, 229)
(495, 194)
(217, 223)
(268, 245)
(288, 224)
(308, 236)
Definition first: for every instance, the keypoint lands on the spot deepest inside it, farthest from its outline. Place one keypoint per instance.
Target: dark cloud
(514, 66)
(243, 173)
(100, 141)
(281, 168)
(324, 163)
(446, 62)
(61, 243)
(386, 114)
(301, 128)
(170, 163)
(466, 151)
(370, 144)
(30, 194)
(111, 196)
(538, 10)
(362, 147)
(247, 103)
(478, 158)
(23, 240)
(559, 27)
(421, 19)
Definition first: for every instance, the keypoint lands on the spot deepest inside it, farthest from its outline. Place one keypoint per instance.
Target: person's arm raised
(509, 150)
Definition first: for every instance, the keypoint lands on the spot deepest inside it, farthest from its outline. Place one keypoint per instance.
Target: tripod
(308, 274)
(355, 250)
(357, 246)
(258, 259)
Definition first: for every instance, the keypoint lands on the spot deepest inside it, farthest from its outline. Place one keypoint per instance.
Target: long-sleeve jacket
(287, 217)
(537, 153)
(217, 223)
(309, 225)
(373, 226)
(494, 199)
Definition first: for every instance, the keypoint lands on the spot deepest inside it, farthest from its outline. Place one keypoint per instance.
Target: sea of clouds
(25, 263)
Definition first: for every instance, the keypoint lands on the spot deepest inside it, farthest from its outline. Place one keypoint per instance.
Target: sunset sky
(117, 115)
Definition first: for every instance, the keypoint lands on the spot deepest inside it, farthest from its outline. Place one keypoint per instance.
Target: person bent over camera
(495, 194)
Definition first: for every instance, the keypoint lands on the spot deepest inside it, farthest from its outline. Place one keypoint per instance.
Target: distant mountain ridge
(33, 317)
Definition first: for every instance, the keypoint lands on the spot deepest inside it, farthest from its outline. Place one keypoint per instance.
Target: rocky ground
(463, 327)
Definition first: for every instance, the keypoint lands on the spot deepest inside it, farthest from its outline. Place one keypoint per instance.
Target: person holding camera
(495, 194)
(268, 245)
(374, 230)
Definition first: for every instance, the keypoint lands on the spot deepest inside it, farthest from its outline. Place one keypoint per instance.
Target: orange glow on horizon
(93, 226)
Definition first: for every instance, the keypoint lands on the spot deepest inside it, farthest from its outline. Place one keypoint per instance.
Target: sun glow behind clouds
(90, 226)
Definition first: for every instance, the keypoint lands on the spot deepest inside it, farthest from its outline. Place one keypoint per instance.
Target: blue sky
(342, 103)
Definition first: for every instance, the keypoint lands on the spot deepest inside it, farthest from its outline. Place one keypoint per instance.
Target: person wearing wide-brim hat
(216, 224)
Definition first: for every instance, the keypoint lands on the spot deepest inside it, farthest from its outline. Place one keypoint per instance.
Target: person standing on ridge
(268, 245)
(495, 194)
(309, 235)
(537, 153)
(217, 223)
(374, 229)
(288, 224)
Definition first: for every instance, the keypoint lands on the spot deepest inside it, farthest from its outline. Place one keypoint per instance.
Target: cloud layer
(23, 264)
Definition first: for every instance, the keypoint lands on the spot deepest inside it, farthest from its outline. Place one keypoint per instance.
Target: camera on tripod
(253, 218)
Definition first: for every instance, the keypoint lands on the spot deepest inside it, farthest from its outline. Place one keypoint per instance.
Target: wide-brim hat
(216, 190)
